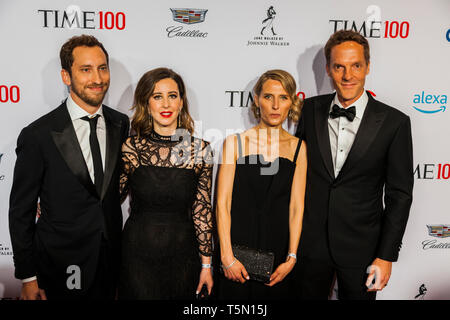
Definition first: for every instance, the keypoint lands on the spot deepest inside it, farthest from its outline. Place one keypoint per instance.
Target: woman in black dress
(166, 245)
(261, 187)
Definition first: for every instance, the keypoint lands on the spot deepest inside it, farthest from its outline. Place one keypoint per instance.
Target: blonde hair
(288, 83)
(141, 121)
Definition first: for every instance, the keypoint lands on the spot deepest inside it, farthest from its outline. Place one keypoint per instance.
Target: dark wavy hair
(66, 52)
(141, 121)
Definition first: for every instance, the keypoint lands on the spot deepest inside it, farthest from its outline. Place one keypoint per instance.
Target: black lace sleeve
(201, 208)
(130, 161)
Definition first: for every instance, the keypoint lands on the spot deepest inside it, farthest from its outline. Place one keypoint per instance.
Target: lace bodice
(185, 152)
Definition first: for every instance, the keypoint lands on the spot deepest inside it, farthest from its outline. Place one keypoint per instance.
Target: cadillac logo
(439, 231)
(189, 16)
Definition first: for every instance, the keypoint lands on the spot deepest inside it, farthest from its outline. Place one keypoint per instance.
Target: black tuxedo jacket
(345, 216)
(74, 218)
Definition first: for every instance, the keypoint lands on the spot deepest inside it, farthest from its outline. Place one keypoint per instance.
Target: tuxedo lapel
(321, 113)
(370, 124)
(66, 141)
(113, 145)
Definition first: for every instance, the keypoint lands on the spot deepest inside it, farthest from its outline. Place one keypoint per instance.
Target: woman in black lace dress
(167, 245)
(260, 194)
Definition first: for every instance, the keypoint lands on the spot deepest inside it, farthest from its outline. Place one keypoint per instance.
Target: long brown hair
(141, 121)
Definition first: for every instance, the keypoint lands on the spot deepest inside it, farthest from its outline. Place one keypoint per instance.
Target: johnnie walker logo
(422, 292)
(267, 33)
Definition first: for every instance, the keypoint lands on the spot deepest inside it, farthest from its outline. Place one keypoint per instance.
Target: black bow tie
(349, 113)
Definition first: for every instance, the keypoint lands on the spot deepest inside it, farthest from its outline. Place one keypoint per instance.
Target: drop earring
(290, 114)
(258, 113)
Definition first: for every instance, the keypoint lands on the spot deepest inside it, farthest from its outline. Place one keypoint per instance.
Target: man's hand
(31, 291)
(381, 271)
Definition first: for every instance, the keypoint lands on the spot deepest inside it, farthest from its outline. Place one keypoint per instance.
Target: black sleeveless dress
(260, 219)
(170, 222)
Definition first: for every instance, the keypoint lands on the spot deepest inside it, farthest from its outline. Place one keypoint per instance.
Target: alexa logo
(187, 16)
(430, 103)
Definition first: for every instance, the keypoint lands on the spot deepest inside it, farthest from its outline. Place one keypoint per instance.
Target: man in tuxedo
(358, 148)
(69, 160)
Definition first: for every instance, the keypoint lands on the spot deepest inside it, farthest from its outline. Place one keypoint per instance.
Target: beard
(90, 99)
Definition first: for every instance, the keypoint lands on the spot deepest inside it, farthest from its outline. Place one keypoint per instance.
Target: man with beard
(69, 160)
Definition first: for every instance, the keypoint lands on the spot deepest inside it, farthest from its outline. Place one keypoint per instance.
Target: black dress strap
(296, 150)
(239, 144)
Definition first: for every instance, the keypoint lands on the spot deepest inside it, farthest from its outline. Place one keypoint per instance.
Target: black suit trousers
(314, 280)
(103, 287)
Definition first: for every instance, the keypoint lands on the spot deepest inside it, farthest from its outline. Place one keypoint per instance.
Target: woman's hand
(205, 278)
(281, 272)
(237, 270)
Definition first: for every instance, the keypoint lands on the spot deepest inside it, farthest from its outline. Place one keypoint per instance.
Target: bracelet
(231, 264)
(292, 255)
(206, 265)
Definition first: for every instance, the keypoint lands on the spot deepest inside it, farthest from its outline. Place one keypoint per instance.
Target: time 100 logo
(73, 17)
(9, 94)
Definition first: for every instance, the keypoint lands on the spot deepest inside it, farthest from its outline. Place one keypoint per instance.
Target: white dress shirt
(342, 131)
(83, 130)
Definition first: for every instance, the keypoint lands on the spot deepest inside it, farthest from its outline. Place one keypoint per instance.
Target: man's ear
(65, 76)
(327, 68)
(368, 68)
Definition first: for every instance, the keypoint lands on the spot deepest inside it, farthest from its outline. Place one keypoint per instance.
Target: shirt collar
(76, 112)
(359, 104)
